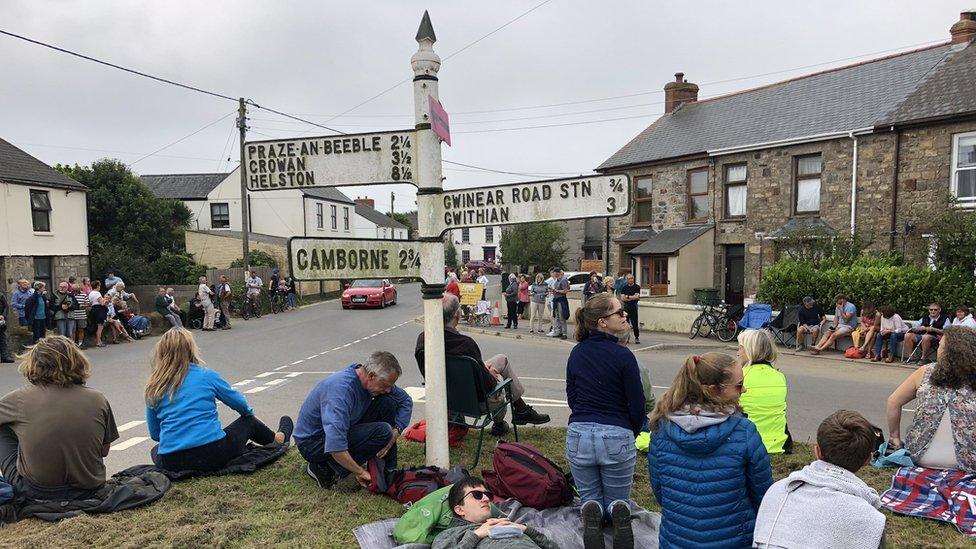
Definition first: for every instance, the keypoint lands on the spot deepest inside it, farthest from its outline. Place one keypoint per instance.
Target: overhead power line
(185, 137)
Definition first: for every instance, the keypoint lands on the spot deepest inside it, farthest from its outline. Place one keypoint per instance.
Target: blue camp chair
(757, 316)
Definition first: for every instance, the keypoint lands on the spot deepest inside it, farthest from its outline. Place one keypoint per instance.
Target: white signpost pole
(425, 64)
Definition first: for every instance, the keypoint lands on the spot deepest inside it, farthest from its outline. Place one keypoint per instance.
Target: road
(277, 359)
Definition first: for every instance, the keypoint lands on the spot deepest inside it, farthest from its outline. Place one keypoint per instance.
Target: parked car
(578, 279)
(488, 266)
(369, 293)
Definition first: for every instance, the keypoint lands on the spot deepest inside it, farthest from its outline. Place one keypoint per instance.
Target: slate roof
(183, 186)
(669, 241)
(16, 166)
(328, 193)
(636, 234)
(949, 91)
(377, 218)
(837, 100)
(802, 223)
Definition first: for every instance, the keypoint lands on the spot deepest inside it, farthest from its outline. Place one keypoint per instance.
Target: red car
(488, 266)
(369, 293)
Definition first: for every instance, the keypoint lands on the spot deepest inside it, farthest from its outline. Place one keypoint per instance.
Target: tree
(402, 218)
(130, 228)
(450, 255)
(538, 244)
(258, 259)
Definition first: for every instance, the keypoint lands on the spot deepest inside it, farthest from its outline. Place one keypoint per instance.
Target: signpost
(439, 121)
(344, 258)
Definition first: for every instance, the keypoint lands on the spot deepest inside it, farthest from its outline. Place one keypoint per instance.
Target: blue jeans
(66, 327)
(601, 458)
(291, 300)
(893, 339)
(363, 439)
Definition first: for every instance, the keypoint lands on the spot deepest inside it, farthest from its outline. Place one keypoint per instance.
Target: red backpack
(523, 473)
(407, 486)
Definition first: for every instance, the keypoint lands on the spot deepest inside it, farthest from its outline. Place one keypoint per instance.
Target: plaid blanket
(936, 494)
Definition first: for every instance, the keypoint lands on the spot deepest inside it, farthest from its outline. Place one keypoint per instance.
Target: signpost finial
(426, 30)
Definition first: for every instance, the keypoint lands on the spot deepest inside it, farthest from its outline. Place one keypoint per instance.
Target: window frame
(638, 200)
(726, 184)
(50, 264)
(465, 235)
(216, 215)
(334, 210)
(689, 195)
(954, 170)
(45, 211)
(797, 178)
(345, 218)
(489, 234)
(465, 256)
(319, 215)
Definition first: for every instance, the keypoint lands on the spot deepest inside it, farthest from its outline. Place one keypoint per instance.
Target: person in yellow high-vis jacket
(764, 399)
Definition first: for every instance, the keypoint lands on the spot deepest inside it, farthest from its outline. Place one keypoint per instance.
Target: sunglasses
(480, 494)
(619, 312)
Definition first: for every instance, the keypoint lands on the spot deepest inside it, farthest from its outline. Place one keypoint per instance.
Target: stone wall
(16, 267)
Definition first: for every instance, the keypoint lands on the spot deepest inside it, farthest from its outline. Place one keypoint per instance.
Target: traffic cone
(496, 318)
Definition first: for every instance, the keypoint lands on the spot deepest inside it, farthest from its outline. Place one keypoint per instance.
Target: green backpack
(427, 518)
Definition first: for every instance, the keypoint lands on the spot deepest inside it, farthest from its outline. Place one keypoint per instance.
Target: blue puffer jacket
(709, 472)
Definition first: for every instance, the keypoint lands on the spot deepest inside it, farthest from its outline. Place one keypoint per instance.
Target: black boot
(525, 414)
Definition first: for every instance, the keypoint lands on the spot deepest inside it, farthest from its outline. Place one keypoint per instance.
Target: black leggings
(214, 456)
(632, 317)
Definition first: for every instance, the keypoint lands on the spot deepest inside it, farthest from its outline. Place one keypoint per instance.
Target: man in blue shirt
(352, 416)
(845, 320)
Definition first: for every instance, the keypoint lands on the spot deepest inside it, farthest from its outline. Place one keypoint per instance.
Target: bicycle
(278, 302)
(714, 319)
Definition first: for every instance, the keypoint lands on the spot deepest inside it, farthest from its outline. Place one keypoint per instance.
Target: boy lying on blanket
(473, 526)
(825, 504)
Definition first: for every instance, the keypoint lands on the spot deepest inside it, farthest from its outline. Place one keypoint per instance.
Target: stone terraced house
(867, 148)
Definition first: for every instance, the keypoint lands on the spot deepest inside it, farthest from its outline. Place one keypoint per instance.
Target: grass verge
(280, 506)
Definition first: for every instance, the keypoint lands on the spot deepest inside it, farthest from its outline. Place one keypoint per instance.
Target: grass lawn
(280, 506)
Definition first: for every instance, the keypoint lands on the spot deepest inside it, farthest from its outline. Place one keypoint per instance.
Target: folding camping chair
(482, 314)
(756, 316)
(783, 327)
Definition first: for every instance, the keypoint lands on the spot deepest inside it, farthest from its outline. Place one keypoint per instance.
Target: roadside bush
(257, 258)
(881, 280)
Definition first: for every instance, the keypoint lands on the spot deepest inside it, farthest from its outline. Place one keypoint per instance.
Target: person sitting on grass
(943, 432)
(845, 321)
(825, 504)
(891, 330)
(351, 417)
(964, 318)
(764, 391)
(928, 330)
(181, 411)
(472, 525)
(810, 320)
(867, 330)
(55, 432)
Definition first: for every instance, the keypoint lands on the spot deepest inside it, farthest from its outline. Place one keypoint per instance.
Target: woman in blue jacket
(181, 411)
(606, 402)
(707, 463)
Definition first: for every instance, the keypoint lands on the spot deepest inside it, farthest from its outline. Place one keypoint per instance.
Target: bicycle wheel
(727, 329)
(696, 327)
(276, 304)
(244, 313)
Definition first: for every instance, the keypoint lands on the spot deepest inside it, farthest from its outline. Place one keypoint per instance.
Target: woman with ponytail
(707, 463)
(606, 402)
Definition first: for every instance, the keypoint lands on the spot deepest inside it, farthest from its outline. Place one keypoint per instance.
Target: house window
(335, 219)
(643, 199)
(319, 216)
(345, 218)
(735, 190)
(489, 234)
(963, 167)
(41, 211)
(465, 235)
(807, 192)
(465, 256)
(220, 215)
(43, 270)
(698, 195)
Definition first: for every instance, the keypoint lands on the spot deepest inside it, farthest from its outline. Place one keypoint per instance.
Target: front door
(489, 253)
(654, 274)
(735, 273)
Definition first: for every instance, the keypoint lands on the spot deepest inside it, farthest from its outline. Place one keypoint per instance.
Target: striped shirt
(82, 311)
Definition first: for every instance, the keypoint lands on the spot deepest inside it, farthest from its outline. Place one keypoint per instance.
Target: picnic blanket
(560, 524)
(936, 494)
(253, 458)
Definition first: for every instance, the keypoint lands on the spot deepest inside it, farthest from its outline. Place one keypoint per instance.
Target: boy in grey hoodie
(825, 505)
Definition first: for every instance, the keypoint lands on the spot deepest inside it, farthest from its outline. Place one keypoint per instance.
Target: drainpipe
(894, 191)
(853, 185)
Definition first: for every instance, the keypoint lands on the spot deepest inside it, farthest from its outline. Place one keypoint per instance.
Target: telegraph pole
(392, 209)
(242, 126)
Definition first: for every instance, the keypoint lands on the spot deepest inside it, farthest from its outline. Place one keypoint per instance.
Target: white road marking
(416, 393)
(296, 362)
(128, 443)
(294, 374)
(129, 425)
(544, 400)
(310, 357)
(543, 379)
(257, 389)
(282, 367)
(265, 374)
(276, 381)
(244, 382)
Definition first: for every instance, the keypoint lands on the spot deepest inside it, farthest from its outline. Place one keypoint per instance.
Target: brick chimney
(964, 29)
(365, 202)
(679, 92)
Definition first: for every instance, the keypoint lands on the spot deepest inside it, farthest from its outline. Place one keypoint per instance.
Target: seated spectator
(162, 307)
(964, 318)
(472, 524)
(55, 431)
(181, 411)
(81, 314)
(764, 390)
(845, 320)
(351, 417)
(115, 322)
(135, 325)
(497, 368)
(928, 330)
(867, 330)
(19, 299)
(810, 321)
(173, 306)
(892, 330)
(943, 431)
(708, 467)
(38, 311)
(118, 291)
(111, 280)
(825, 504)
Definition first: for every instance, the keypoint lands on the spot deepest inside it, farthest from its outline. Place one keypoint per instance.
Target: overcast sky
(321, 58)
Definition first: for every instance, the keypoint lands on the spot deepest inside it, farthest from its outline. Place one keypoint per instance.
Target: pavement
(277, 359)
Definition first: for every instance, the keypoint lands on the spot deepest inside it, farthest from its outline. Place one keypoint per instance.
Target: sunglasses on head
(619, 312)
(480, 494)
